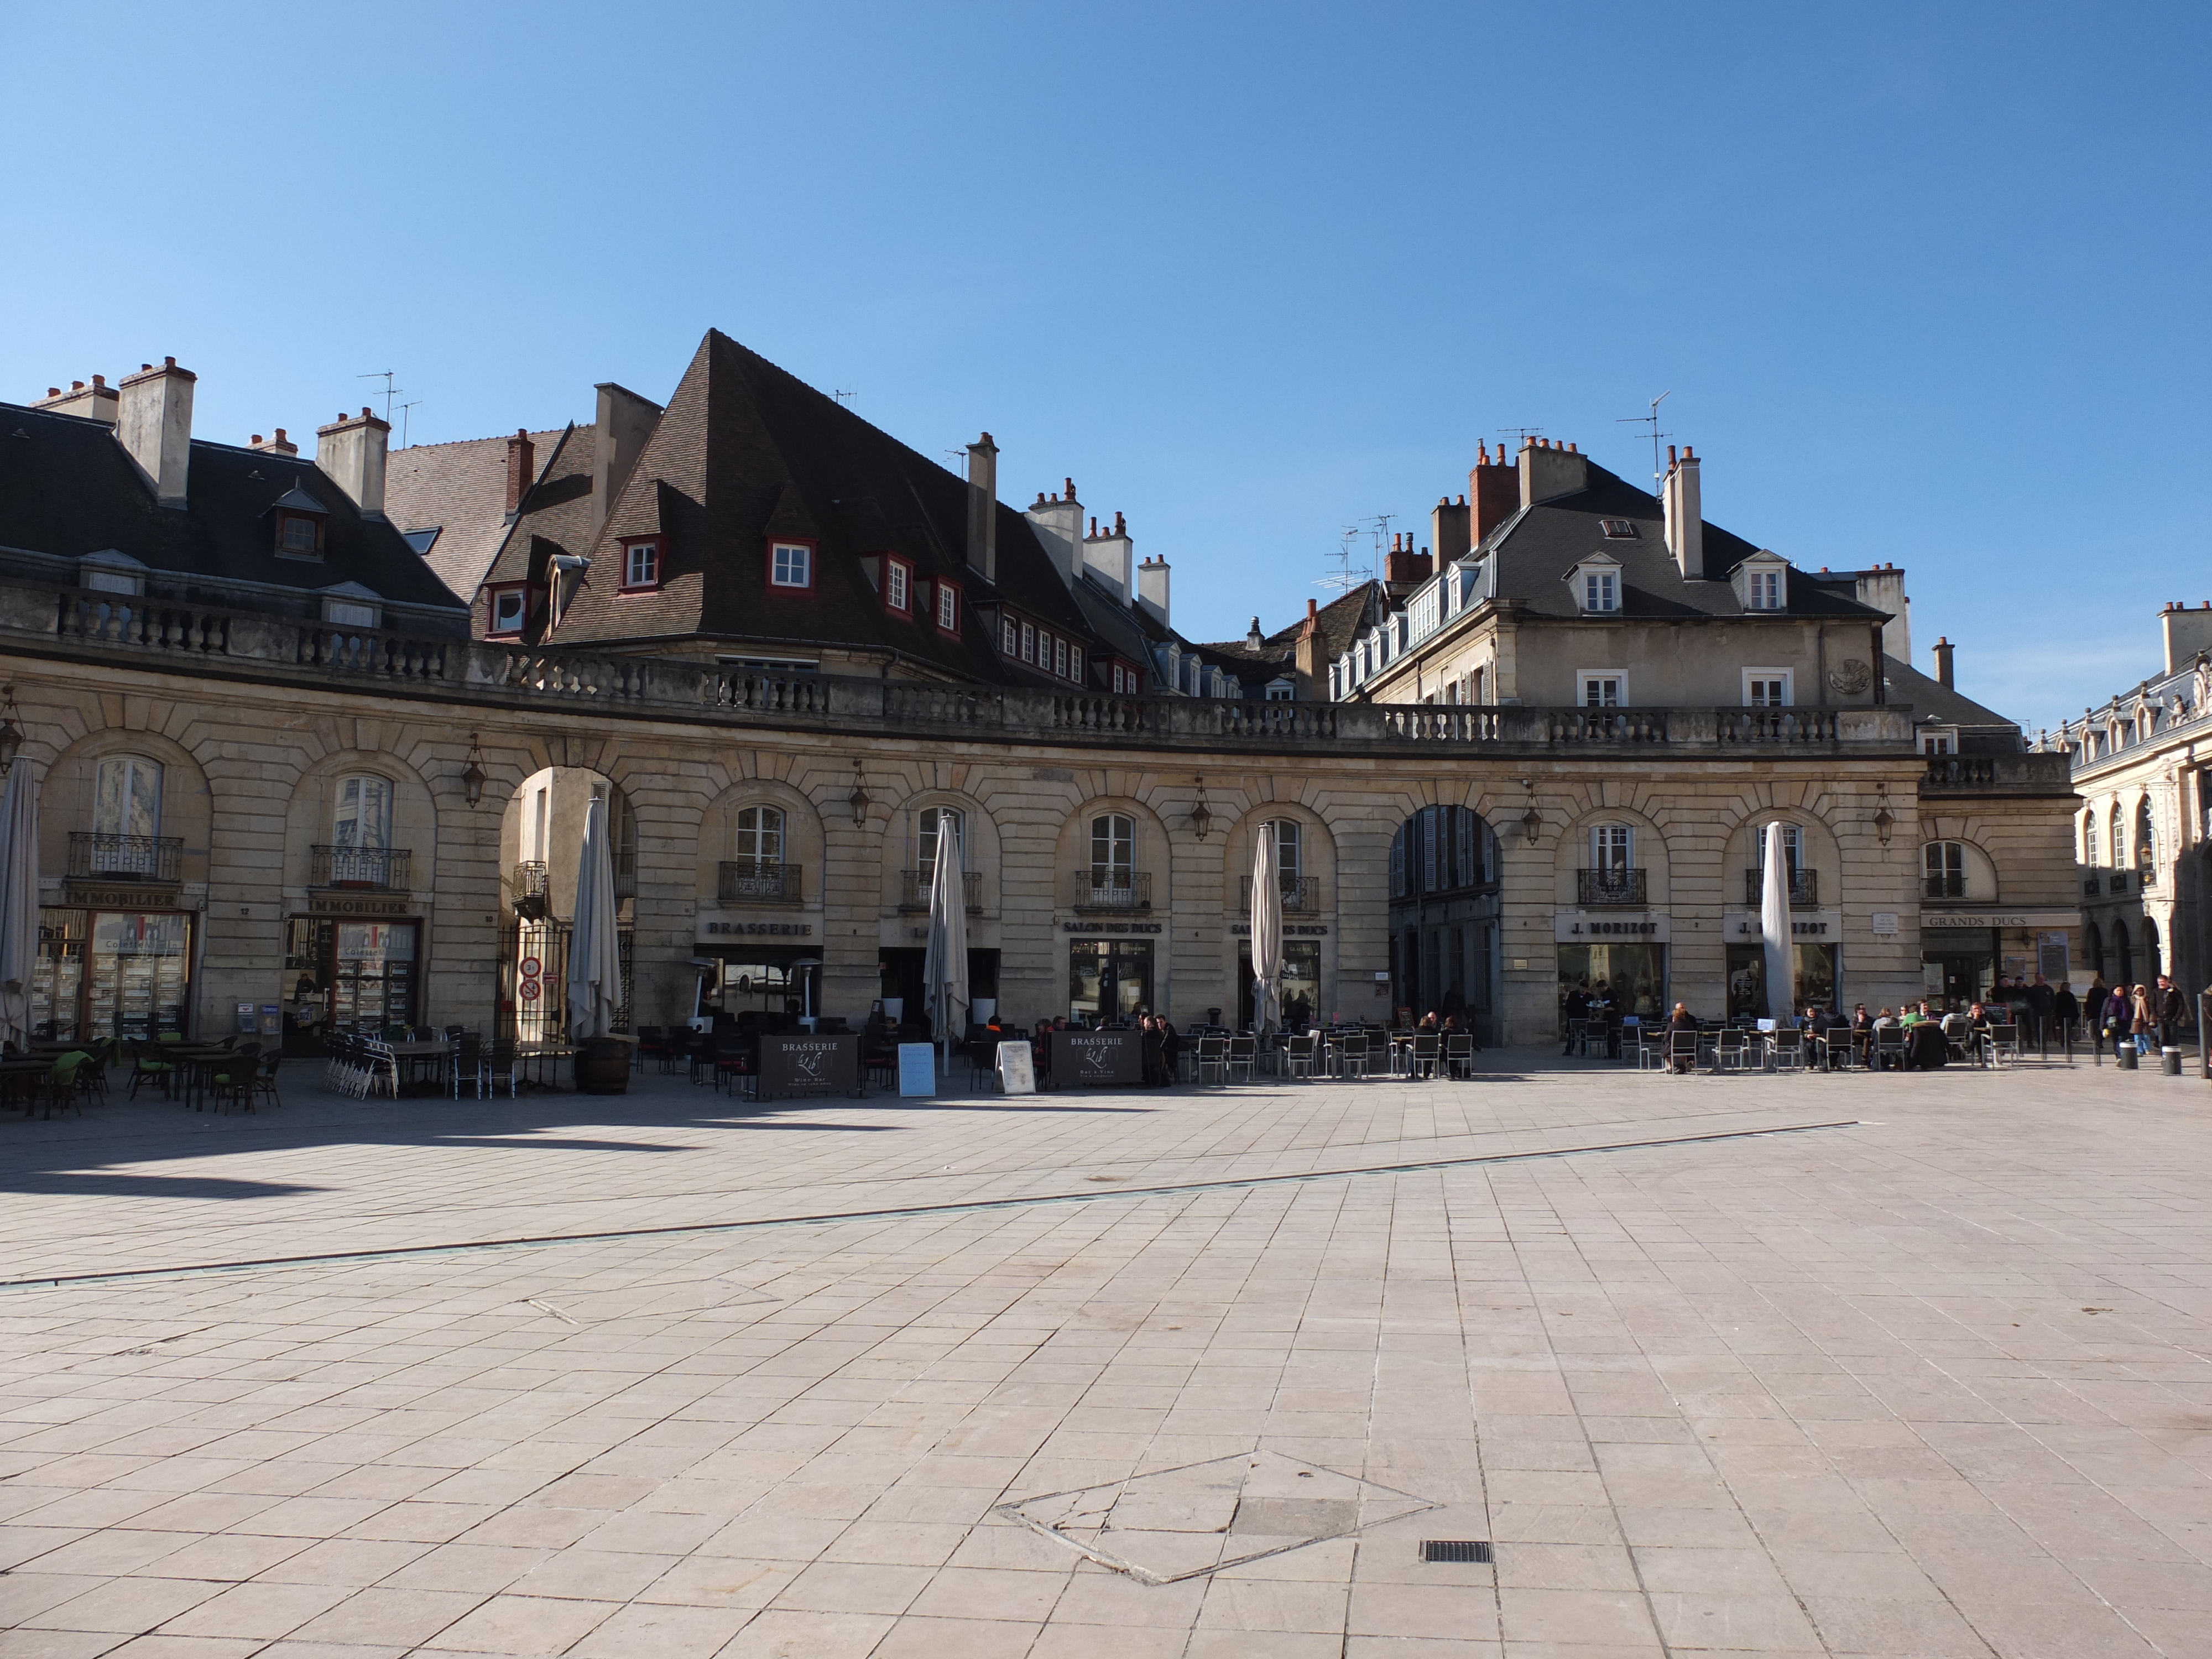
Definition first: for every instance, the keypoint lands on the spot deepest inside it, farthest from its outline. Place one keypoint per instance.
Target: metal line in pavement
(968, 1205)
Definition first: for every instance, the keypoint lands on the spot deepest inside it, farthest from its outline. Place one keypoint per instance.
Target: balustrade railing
(1804, 888)
(1594, 889)
(385, 869)
(913, 889)
(1108, 887)
(96, 857)
(757, 881)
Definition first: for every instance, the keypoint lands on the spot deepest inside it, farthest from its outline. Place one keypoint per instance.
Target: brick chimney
(350, 452)
(1448, 529)
(154, 424)
(279, 445)
(983, 508)
(1685, 521)
(1404, 568)
(1493, 493)
(96, 402)
(1943, 675)
(521, 469)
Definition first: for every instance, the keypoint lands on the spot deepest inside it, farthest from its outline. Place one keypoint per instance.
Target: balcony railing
(533, 890)
(124, 858)
(1103, 887)
(1595, 888)
(1804, 888)
(913, 889)
(378, 869)
(1301, 895)
(2090, 886)
(757, 881)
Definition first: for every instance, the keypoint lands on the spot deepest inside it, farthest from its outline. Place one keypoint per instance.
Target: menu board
(1096, 1058)
(803, 1064)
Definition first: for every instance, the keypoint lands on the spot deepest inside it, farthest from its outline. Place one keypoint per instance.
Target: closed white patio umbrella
(1266, 933)
(1774, 930)
(594, 986)
(19, 901)
(945, 968)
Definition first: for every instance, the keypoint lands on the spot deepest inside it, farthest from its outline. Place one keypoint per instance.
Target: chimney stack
(1943, 650)
(351, 451)
(1405, 569)
(983, 508)
(1153, 590)
(1549, 470)
(96, 402)
(1493, 493)
(623, 421)
(1111, 557)
(1308, 632)
(1448, 529)
(1685, 506)
(1057, 521)
(521, 470)
(278, 444)
(154, 424)
(2187, 632)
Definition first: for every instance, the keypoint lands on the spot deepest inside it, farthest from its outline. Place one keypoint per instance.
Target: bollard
(2170, 1061)
(2125, 1053)
(2097, 1047)
(2204, 1033)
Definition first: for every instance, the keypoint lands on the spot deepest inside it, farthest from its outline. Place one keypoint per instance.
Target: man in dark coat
(2040, 1001)
(2172, 1010)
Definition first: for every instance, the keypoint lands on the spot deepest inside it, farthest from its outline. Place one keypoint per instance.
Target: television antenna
(841, 396)
(404, 422)
(1344, 579)
(1651, 421)
(1523, 433)
(390, 390)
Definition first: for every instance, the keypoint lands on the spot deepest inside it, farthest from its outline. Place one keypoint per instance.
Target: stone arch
(981, 848)
(310, 817)
(804, 845)
(68, 802)
(1572, 848)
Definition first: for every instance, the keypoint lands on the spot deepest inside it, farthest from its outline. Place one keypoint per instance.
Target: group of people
(1585, 1003)
(2140, 1016)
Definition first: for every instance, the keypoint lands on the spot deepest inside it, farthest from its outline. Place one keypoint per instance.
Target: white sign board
(1017, 1068)
(917, 1071)
(1884, 924)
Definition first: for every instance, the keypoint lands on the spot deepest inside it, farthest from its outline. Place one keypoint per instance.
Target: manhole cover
(1178, 1524)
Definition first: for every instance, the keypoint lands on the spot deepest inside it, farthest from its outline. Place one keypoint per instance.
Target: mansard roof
(458, 490)
(68, 489)
(746, 453)
(1537, 547)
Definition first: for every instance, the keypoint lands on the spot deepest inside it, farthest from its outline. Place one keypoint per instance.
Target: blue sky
(1926, 283)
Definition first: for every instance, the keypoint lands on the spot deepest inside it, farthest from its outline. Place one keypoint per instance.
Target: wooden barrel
(603, 1067)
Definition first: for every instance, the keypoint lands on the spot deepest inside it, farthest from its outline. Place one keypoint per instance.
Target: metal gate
(532, 980)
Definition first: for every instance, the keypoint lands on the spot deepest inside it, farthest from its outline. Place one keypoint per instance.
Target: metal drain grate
(1456, 1549)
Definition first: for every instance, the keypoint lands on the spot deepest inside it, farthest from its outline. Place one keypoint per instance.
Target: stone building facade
(287, 779)
(2145, 825)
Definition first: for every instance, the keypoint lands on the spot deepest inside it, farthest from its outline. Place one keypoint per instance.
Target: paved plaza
(1894, 1365)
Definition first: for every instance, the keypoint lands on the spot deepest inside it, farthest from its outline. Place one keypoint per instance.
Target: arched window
(1290, 851)
(1113, 850)
(2090, 854)
(126, 816)
(1943, 869)
(2120, 836)
(936, 821)
(1398, 863)
(2146, 837)
(759, 839)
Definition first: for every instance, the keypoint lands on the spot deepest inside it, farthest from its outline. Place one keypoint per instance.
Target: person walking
(2114, 1018)
(2065, 1010)
(2041, 1000)
(2142, 1017)
(2171, 1009)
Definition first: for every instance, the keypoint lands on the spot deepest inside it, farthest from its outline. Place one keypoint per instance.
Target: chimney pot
(1071, 489)
(1943, 669)
(257, 437)
(279, 434)
(143, 368)
(1094, 526)
(171, 362)
(1314, 607)
(56, 392)
(1121, 528)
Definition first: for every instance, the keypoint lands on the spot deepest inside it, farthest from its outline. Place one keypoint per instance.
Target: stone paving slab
(1937, 1382)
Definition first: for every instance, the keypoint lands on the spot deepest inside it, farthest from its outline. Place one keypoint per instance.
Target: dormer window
(791, 565)
(640, 563)
(510, 607)
(299, 519)
(948, 606)
(352, 605)
(1762, 582)
(1596, 584)
(111, 572)
(898, 585)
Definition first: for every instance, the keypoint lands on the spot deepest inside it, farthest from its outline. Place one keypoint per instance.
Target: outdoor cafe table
(540, 1063)
(422, 1066)
(19, 1079)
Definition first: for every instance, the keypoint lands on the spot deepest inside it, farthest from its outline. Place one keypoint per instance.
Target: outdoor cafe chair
(466, 1065)
(1459, 1054)
(1733, 1049)
(499, 1067)
(1421, 1060)
(1789, 1048)
(1243, 1052)
(1302, 1054)
(1889, 1047)
(1213, 1055)
(1681, 1051)
(2004, 1044)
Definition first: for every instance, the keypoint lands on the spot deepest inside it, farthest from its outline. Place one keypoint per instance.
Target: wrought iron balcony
(1596, 888)
(757, 881)
(2115, 881)
(1301, 895)
(1804, 888)
(2090, 886)
(1109, 888)
(913, 889)
(533, 890)
(376, 869)
(124, 858)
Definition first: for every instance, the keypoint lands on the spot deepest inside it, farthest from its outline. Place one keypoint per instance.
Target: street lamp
(858, 801)
(11, 735)
(472, 774)
(1884, 819)
(1202, 815)
(1531, 821)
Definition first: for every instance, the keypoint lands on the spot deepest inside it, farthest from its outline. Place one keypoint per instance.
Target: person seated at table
(1170, 1050)
(1430, 1022)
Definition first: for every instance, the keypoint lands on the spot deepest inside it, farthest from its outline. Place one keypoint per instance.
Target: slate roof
(68, 488)
(1537, 548)
(1934, 702)
(744, 452)
(459, 489)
